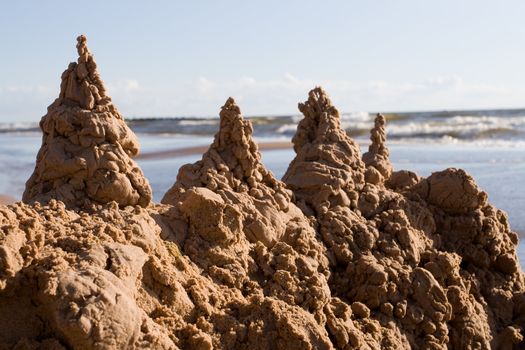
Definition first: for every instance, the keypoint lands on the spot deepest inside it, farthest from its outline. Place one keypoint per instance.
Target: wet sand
(6, 200)
(181, 152)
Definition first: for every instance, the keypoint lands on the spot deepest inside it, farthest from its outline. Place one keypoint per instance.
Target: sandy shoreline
(6, 199)
(187, 151)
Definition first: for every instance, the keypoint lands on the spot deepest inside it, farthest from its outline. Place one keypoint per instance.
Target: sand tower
(87, 148)
(327, 159)
(232, 162)
(376, 159)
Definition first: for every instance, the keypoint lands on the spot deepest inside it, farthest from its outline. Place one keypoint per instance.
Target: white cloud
(290, 78)
(126, 85)
(25, 103)
(247, 81)
(444, 81)
(203, 85)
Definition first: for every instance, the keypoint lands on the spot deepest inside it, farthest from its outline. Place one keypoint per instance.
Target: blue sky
(175, 58)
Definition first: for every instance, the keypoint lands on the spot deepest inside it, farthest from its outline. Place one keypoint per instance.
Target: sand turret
(81, 83)
(321, 125)
(232, 161)
(235, 144)
(231, 173)
(377, 155)
(327, 159)
(86, 151)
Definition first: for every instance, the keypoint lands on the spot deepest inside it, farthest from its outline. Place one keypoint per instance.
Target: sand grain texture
(344, 253)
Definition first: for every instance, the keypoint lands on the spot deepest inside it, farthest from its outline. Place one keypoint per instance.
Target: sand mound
(86, 150)
(344, 254)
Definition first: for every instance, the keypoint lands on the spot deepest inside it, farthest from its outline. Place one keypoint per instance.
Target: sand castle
(87, 147)
(344, 253)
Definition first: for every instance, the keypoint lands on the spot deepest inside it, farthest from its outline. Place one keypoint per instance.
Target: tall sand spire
(86, 151)
(81, 83)
(234, 142)
(322, 124)
(326, 158)
(377, 155)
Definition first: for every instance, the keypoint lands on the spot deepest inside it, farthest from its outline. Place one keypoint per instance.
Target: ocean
(488, 144)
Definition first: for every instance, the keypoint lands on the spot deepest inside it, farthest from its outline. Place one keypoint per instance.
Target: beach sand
(6, 199)
(186, 151)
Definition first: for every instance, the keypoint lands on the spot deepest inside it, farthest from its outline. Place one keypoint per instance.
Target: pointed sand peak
(321, 128)
(230, 109)
(234, 132)
(318, 102)
(83, 52)
(378, 155)
(327, 159)
(86, 151)
(378, 137)
(321, 122)
(234, 143)
(232, 161)
(81, 84)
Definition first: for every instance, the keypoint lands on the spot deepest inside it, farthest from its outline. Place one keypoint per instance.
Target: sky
(184, 58)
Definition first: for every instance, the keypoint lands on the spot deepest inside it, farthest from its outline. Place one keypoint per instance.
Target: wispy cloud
(126, 85)
(23, 102)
